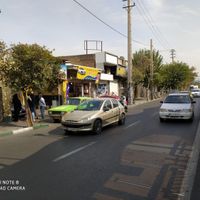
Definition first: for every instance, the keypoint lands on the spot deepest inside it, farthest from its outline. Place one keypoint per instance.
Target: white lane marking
(73, 152)
(134, 184)
(133, 124)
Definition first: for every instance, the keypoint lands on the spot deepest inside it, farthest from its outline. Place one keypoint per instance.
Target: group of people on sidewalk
(32, 106)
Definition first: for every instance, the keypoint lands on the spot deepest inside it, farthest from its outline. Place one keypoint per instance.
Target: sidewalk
(10, 128)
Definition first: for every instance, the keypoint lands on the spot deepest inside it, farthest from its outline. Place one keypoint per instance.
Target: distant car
(195, 92)
(187, 92)
(93, 115)
(57, 112)
(177, 106)
(121, 99)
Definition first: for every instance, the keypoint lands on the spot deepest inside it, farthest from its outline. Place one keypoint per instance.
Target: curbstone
(22, 130)
(2, 134)
(37, 126)
(190, 173)
(139, 102)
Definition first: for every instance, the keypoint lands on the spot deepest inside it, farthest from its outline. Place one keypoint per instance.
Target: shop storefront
(82, 81)
(113, 74)
(114, 66)
(103, 87)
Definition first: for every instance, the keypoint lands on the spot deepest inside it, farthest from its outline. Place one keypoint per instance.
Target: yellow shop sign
(87, 73)
(121, 71)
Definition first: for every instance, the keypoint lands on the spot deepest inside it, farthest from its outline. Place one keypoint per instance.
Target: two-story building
(111, 68)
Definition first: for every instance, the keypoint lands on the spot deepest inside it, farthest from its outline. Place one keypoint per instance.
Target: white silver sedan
(177, 106)
(195, 92)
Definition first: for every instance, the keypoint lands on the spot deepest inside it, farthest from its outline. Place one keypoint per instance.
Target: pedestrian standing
(17, 107)
(31, 104)
(34, 102)
(42, 105)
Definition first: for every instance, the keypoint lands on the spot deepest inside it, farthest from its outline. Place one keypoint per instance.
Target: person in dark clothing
(17, 107)
(31, 103)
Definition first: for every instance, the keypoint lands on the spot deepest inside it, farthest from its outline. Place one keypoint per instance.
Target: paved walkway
(9, 128)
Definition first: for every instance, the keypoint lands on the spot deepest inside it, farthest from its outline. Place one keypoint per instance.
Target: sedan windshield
(90, 105)
(71, 101)
(178, 99)
(197, 90)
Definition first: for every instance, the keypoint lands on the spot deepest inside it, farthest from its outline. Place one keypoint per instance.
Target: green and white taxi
(57, 112)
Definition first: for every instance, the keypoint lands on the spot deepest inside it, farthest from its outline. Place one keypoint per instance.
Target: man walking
(42, 105)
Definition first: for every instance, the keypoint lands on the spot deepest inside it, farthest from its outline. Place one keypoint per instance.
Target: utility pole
(151, 68)
(172, 53)
(130, 56)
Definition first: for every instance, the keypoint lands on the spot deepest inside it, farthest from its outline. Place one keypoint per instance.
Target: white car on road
(177, 106)
(195, 92)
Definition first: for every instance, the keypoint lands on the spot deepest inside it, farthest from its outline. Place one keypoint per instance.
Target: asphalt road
(144, 159)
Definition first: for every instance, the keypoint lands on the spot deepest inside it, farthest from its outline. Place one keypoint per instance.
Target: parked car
(93, 115)
(195, 92)
(121, 99)
(177, 106)
(57, 112)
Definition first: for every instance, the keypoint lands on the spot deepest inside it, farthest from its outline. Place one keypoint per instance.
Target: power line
(82, 6)
(150, 25)
(147, 19)
(154, 24)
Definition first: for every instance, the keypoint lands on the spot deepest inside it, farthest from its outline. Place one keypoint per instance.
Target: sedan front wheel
(122, 119)
(97, 127)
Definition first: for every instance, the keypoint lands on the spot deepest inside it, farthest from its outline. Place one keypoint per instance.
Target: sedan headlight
(85, 120)
(163, 110)
(187, 110)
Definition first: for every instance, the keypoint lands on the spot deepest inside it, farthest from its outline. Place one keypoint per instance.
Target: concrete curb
(190, 173)
(22, 130)
(144, 102)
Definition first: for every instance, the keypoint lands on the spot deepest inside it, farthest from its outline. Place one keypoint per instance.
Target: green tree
(5, 61)
(177, 75)
(30, 66)
(142, 63)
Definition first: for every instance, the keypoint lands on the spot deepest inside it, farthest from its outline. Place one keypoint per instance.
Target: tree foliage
(5, 61)
(177, 75)
(142, 63)
(30, 66)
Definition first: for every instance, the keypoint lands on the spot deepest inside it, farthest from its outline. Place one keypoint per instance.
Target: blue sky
(63, 25)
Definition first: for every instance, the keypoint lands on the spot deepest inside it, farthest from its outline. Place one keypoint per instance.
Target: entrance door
(114, 88)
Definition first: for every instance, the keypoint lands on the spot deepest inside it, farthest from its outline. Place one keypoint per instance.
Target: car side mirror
(106, 109)
(161, 101)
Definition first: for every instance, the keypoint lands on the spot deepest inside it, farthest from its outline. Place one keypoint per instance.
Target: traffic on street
(142, 159)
